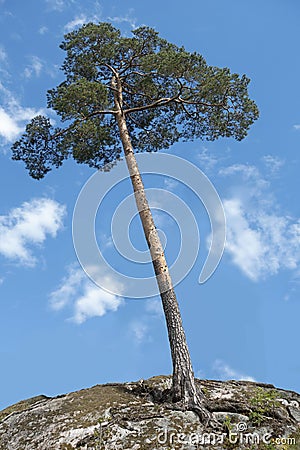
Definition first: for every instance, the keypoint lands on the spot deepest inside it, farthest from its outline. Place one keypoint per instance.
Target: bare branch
(193, 116)
(111, 69)
(99, 112)
(160, 102)
(141, 74)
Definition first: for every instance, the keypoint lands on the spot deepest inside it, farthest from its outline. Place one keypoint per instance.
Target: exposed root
(205, 416)
(191, 400)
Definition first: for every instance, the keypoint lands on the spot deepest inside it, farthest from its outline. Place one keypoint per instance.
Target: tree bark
(183, 384)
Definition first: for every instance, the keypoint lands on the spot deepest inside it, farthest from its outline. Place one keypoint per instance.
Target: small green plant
(263, 402)
(227, 424)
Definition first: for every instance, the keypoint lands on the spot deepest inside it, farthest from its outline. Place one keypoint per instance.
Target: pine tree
(134, 94)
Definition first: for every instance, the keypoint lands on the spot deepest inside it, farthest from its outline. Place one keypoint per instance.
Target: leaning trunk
(183, 389)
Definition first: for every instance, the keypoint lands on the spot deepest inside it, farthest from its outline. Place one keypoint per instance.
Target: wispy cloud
(260, 239)
(139, 331)
(170, 183)
(85, 298)
(86, 13)
(58, 5)
(207, 160)
(3, 55)
(28, 226)
(43, 30)
(127, 18)
(140, 328)
(296, 127)
(273, 163)
(92, 12)
(246, 171)
(106, 241)
(34, 68)
(4, 63)
(225, 372)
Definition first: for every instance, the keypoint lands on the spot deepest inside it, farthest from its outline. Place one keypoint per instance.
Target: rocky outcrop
(133, 416)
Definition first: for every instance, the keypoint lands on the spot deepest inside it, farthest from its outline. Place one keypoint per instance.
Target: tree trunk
(183, 386)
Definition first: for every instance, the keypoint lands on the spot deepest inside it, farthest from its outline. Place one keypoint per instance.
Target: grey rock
(133, 416)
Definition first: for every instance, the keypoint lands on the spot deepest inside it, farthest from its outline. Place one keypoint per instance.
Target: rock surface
(132, 416)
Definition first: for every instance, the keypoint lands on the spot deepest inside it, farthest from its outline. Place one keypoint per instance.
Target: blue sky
(59, 331)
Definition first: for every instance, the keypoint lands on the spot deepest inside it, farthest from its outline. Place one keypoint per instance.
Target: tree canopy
(168, 95)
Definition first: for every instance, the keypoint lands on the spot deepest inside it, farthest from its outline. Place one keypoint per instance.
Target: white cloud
(95, 303)
(243, 243)
(70, 284)
(29, 226)
(261, 243)
(85, 298)
(297, 127)
(9, 128)
(76, 22)
(260, 240)
(225, 372)
(13, 116)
